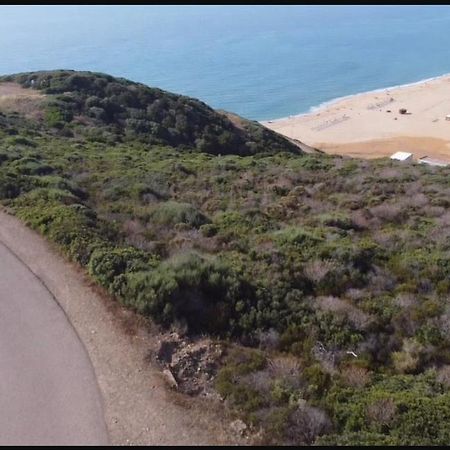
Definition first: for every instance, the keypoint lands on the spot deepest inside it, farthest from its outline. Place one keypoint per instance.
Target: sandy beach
(369, 125)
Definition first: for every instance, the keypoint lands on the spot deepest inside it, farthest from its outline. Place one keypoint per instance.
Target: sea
(262, 61)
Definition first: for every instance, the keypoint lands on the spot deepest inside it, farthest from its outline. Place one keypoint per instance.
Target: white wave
(328, 103)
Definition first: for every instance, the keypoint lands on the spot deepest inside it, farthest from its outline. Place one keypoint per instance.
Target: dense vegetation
(328, 276)
(107, 109)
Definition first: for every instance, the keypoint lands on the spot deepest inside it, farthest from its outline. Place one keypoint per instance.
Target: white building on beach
(402, 156)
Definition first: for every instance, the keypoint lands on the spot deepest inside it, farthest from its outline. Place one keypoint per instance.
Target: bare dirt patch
(15, 98)
(10, 89)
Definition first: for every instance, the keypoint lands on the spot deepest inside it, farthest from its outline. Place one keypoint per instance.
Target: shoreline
(327, 103)
(413, 117)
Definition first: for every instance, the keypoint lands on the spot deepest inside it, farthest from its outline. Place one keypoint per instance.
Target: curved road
(48, 390)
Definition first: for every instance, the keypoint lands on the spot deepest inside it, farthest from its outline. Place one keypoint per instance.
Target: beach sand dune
(369, 125)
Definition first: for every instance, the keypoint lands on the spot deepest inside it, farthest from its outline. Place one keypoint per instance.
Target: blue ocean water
(263, 62)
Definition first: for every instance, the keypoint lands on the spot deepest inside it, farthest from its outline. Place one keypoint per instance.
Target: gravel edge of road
(138, 408)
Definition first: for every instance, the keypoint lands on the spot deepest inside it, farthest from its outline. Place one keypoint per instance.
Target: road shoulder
(138, 408)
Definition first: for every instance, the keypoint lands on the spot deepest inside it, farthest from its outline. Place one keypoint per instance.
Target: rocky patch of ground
(190, 365)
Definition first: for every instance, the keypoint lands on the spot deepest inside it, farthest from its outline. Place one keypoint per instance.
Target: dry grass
(355, 376)
(316, 270)
(9, 89)
(285, 367)
(443, 375)
(14, 98)
(354, 315)
(382, 411)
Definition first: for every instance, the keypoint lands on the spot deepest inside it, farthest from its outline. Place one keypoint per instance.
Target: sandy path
(372, 125)
(48, 390)
(138, 409)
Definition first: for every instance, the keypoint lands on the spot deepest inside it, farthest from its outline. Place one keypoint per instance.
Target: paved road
(48, 390)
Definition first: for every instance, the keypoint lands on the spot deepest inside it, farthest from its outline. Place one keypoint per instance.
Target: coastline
(328, 103)
(358, 124)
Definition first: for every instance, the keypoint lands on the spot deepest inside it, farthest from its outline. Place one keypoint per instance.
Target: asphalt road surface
(48, 390)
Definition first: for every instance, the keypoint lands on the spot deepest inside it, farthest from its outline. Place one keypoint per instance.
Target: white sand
(361, 126)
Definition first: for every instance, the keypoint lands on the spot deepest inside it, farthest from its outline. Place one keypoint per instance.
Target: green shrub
(318, 381)
(106, 263)
(189, 288)
(238, 363)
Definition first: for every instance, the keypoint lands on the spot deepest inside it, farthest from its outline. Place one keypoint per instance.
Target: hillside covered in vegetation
(107, 109)
(326, 278)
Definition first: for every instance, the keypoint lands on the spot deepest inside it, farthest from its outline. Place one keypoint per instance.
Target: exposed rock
(172, 382)
(195, 365)
(192, 364)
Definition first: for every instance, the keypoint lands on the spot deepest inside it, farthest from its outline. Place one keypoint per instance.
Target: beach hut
(447, 117)
(402, 156)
